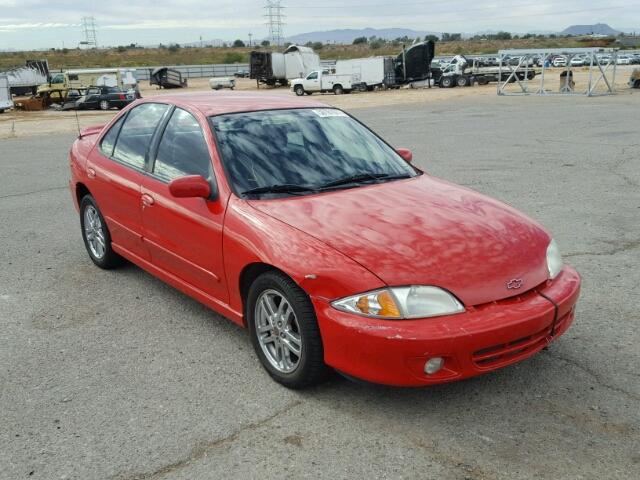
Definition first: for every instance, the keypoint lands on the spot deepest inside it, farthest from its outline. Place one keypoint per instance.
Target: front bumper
(482, 339)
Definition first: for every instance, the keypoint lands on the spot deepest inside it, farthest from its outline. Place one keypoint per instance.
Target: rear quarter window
(109, 140)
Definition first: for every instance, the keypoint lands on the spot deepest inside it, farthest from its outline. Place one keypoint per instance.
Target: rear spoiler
(91, 130)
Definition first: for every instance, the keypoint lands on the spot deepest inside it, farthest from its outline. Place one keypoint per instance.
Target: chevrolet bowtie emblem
(515, 284)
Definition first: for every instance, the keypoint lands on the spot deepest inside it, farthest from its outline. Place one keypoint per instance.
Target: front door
(184, 235)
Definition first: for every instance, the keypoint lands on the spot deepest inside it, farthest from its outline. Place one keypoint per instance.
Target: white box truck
(368, 73)
(322, 81)
(6, 102)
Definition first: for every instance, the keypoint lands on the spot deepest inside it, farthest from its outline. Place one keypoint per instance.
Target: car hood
(425, 231)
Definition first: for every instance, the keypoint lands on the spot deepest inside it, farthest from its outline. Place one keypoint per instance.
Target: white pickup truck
(322, 81)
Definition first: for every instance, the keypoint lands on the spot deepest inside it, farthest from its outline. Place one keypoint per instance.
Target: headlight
(554, 259)
(401, 302)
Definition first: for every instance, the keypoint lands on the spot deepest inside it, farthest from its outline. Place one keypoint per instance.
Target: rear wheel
(104, 105)
(462, 81)
(338, 90)
(284, 331)
(299, 90)
(96, 236)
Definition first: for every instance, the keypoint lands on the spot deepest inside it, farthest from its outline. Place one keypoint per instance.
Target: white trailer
(275, 67)
(322, 81)
(367, 73)
(6, 102)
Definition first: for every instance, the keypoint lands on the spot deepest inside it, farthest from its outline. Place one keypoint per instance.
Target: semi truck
(273, 68)
(321, 81)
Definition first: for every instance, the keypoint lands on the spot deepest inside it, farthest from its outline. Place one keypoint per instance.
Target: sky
(26, 24)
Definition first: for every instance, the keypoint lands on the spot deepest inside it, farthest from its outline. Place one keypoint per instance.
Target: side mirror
(191, 186)
(405, 153)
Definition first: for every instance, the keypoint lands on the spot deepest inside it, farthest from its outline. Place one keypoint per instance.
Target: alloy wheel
(278, 331)
(94, 232)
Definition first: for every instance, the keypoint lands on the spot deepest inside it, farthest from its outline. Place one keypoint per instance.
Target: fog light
(433, 365)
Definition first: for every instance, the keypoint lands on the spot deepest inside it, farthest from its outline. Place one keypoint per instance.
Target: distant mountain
(597, 29)
(348, 35)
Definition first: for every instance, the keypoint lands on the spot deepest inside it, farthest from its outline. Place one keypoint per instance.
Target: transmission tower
(274, 21)
(89, 29)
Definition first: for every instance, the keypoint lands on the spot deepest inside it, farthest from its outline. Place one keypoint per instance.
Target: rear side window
(109, 140)
(137, 131)
(183, 149)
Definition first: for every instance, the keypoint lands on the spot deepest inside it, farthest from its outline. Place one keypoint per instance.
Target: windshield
(302, 150)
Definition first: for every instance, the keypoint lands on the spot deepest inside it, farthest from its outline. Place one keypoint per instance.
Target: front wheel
(446, 82)
(96, 236)
(299, 90)
(284, 331)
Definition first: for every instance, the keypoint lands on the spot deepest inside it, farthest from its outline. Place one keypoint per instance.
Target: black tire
(446, 82)
(311, 369)
(1, 111)
(483, 81)
(637, 84)
(462, 81)
(104, 105)
(110, 259)
(338, 90)
(299, 90)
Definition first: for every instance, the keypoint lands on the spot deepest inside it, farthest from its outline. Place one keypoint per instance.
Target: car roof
(221, 102)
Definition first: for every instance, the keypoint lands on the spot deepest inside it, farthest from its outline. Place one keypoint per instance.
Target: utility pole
(250, 35)
(89, 29)
(274, 17)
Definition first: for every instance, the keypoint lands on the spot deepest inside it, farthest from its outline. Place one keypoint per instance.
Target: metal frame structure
(274, 17)
(89, 30)
(597, 71)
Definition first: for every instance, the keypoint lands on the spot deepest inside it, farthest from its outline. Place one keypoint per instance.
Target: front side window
(312, 76)
(136, 133)
(311, 148)
(183, 149)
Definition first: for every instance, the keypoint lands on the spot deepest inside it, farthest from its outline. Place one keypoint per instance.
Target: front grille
(505, 352)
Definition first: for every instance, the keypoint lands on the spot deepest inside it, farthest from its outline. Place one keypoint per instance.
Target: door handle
(147, 200)
(91, 173)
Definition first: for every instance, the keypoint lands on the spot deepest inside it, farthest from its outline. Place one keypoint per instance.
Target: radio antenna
(78, 123)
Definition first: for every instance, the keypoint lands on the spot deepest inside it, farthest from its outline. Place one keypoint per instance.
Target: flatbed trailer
(463, 73)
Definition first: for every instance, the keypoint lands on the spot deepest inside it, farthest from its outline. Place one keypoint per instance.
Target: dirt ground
(19, 124)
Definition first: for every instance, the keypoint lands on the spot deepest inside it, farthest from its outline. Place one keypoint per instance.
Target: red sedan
(295, 220)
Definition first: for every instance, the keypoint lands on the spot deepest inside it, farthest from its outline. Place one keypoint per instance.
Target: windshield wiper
(282, 188)
(362, 178)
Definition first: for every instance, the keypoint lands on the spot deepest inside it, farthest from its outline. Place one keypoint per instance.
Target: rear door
(116, 171)
(184, 235)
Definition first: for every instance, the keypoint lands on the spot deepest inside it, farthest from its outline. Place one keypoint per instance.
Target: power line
(274, 17)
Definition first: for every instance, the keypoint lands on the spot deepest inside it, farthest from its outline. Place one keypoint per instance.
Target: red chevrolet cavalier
(295, 220)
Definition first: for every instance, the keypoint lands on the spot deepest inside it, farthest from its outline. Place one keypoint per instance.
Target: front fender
(252, 236)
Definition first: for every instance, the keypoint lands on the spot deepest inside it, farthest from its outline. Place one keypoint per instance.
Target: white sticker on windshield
(329, 112)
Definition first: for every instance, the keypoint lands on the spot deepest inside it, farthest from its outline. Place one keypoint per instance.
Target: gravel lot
(114, 375)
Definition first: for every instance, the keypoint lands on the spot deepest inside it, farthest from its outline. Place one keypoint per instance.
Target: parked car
(623, 60)
(296, 221)
(241, 74)
(104, 98)
(578, 61)
(560, 61)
